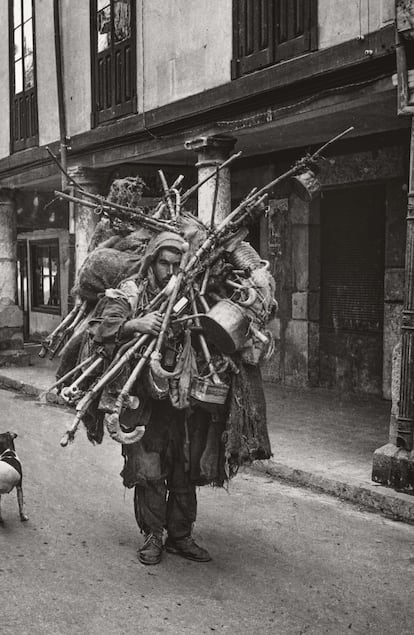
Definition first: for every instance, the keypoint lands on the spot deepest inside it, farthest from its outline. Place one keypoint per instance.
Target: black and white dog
(10, 471)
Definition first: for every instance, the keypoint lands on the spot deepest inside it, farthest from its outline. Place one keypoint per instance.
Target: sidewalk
(319, 439)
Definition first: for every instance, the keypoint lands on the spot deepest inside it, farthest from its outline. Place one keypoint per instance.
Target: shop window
(113, 39)
(45, 276)
(23, 97)
(268, 31)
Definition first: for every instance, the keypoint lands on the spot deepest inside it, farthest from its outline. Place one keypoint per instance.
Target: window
(23, 98)
(113, 40)
(45, 281)
(268, 31)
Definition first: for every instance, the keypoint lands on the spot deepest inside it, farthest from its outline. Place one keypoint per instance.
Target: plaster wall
(46, 73)
(77, 65)
(344, 20)
(184, 47)
(4, 81)
(76, 68)
(187, 48)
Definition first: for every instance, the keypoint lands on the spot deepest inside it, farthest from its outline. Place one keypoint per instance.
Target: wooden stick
(297, 167)
(71, 391)
(70, 373)
(203, 342)
(195, 187)
(88, 398)
(107, 207)
(172, 298)
(254, 200)
(60, 327)
(167, 194)
(99, 199)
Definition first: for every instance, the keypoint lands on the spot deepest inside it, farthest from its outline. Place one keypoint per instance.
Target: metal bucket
(208, 395)
(306, 185)
(226, 326)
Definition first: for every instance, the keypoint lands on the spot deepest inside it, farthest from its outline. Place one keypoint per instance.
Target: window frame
(274, 52)
(44, 308)
(24, 96)
(129, 106)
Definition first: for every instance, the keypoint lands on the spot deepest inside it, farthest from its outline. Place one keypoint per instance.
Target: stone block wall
(395, 235)
(11, 326)
(11, 317)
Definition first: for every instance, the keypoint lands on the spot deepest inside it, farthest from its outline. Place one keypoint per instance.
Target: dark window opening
(113, 37)
(268, 31)
(45, 272)
(24, 119)
(352, 239)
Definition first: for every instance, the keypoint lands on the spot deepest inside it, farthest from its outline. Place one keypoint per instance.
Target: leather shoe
(151, 550)
(187, 548)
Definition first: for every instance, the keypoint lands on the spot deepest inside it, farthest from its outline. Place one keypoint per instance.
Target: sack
(104, 269)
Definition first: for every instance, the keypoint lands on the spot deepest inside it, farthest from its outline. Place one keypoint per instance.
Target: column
(84, 218)
(215, 194)
(11, 316)
(301, 337)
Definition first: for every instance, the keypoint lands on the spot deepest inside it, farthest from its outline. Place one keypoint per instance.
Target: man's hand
(150, 323)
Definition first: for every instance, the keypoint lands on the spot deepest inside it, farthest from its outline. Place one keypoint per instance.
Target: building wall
(184, 47)
(348, 19)
(46, 73)
(187, 48)
(75, 44)
(77, 65)
(4, 81)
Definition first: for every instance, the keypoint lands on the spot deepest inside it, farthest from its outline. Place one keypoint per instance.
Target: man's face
(165, 265)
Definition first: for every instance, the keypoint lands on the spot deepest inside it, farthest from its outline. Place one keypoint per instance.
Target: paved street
(285, 560)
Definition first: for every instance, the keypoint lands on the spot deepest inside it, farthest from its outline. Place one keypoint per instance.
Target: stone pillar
(85, 219)
(216, 192)
(11, 316)
(301, 355)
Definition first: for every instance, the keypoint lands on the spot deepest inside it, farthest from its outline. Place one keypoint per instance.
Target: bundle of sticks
(182, 300)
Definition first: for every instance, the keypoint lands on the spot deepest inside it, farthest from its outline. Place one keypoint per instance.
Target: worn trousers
(169, 503)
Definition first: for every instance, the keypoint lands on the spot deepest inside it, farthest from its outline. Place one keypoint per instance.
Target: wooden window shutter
(253, 35)
(24, 127)
(296, 28)
(113, 41)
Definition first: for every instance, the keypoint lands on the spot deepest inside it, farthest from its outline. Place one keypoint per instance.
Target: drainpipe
(64, 142)
(60, 89)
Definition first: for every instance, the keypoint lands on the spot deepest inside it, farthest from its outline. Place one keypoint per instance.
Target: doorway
(352, 288)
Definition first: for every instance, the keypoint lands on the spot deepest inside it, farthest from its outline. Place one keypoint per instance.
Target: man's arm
(117, 322)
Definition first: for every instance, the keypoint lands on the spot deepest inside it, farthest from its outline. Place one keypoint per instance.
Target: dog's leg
(1, 518)
(21, 503)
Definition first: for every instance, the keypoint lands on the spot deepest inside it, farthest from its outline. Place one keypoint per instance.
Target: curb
(19, 386)
(15, 385)
(392, 504)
